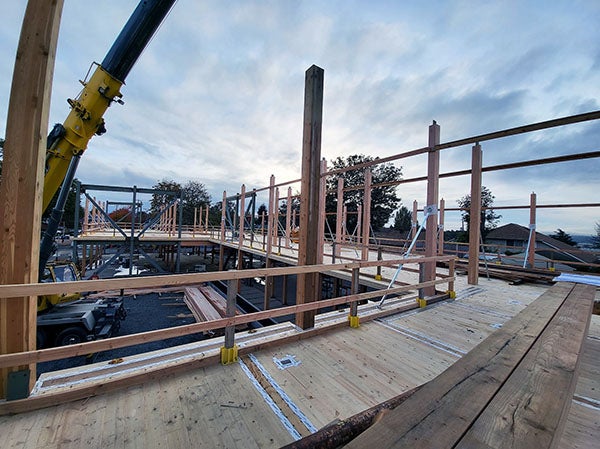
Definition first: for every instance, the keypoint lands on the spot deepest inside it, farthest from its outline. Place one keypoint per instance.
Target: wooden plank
(23, 174)
(308, 288)
(531, 407)
(475, 215)
(201, 307)
(145, 337)
(14, 290)
(433, 187)
(443, 410)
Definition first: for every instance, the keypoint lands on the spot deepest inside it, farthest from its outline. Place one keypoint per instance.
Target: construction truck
(70, 319)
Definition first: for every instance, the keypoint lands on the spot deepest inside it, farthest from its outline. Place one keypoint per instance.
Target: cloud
(217, 96)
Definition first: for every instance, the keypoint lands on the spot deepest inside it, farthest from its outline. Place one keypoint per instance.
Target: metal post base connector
(354, 321)
(378, 277)
(229, 355)
(451, 294)
(422, 302)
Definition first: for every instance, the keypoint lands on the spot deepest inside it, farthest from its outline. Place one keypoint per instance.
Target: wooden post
(414, 226)
(22, 181)
(475, 216)
(223, 218)
(359, 224)
(308, 286)
(532, 214)
(240, 254)
(86, 215)
(270, 216)
(344, 222)
(288, 218)
(441, 228)
(276, 217)
(366, 218)
(229, 351)
(354, 290)
(433, 175)
(322, 216)
(206, 218)
(339, 216)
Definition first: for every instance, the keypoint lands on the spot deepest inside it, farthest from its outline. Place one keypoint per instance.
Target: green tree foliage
(193, 196)
(402, 220)
(384, 200)
(489, 219)
(262, 209)
(596, 237)
(562, 236)
(159, 200)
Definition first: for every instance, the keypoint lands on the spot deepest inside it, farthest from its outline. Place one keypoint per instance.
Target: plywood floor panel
(345, 372)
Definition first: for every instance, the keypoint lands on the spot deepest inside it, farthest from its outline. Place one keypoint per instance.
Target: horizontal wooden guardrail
(23, 358)
(20, 290)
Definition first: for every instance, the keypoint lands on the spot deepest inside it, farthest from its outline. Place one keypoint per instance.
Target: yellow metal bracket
(378, 277)
(229, 355)
(422, 302)
(451, 294)
(354, 321)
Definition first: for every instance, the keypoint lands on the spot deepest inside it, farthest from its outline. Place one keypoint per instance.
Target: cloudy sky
(217, 96)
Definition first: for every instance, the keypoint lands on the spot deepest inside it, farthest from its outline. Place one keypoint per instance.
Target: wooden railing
(18, 292)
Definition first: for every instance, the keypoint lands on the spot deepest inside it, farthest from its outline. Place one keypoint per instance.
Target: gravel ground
(144, 313)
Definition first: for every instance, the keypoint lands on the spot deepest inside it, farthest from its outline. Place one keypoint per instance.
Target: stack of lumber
(512, 390)
(206, 304)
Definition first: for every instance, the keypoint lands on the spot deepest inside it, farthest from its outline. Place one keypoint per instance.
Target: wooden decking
(326, 378)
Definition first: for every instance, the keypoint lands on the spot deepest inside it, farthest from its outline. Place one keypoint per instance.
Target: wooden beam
(444, 409)
(441, 228)
(366, 216)
(23, 174)
(531, 408)
(339, 217)
(61, 352)
(475, 216)
(532, 214)
(433, 186)
(308, 285)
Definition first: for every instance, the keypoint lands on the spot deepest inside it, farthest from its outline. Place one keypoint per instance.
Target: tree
(194, 196)
(596, 238)
(262, 209)
(402, 220)
(489, 219)
(384, 200)
(161, 200)
(562, 236)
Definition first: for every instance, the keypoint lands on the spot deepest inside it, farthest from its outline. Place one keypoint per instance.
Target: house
(513, 238)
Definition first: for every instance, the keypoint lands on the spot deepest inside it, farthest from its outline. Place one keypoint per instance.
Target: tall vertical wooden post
(22, 183)
(270, 216)
(308, 287)
(433, 178)
(441, 228)
(288, 218)
(366, 217)
(532, 214)
(414, 224)
(322, 215)
(223, 218)
(475, 215)
(339, 216)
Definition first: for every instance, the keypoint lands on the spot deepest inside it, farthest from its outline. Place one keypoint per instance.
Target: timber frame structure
(371, 265)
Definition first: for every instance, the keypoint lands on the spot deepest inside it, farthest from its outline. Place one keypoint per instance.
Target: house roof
(513, 231)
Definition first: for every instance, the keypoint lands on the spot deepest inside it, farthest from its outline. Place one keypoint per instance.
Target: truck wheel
(71, 336)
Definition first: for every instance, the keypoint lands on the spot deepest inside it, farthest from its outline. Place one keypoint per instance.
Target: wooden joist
(200, 306)
(513, 390)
